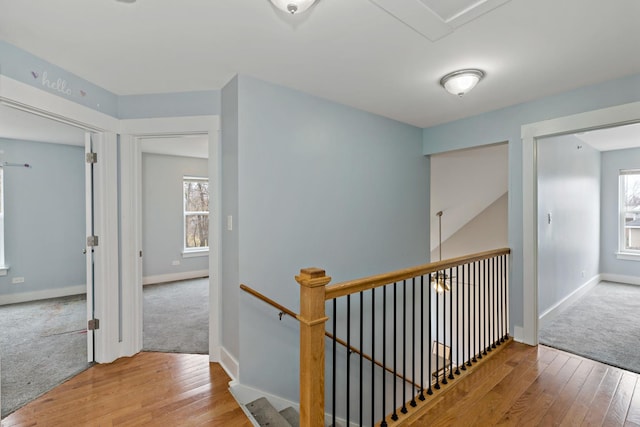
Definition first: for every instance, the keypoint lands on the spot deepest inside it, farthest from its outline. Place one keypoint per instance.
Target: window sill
(629, 256)
(196, 253)
(3, 270)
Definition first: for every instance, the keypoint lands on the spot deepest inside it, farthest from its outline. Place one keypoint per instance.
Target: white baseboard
(518, 333)
(562, 305)
(44, 294)
(619, 278)
(174, 277)
(229, 364)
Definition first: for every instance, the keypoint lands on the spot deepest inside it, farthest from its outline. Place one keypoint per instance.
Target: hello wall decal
(58, 85)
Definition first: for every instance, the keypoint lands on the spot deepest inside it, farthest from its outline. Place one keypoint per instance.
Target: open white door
(89, 249)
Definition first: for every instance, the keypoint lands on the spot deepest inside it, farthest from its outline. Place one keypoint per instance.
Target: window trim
(197, 251)
(624, 253)
(3, 266)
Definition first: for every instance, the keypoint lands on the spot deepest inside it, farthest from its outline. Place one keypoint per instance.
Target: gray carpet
(42, 344)
(176, 317)
(603, 325)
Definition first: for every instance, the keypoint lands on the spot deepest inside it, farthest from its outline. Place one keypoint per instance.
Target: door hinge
(92, 241)
(93, 324)
(92, 157)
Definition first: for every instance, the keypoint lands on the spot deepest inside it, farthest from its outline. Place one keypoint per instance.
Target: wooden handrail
(329, 335)
(363, 284)
(269, 301)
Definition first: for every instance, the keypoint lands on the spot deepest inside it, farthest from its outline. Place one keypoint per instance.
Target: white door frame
(607, 117)
(132, 131)
(37, 101)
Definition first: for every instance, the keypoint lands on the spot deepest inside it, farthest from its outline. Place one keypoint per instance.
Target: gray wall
(488, 230)
(230, 273)
(44, 216)
(162, 215)
(568, 189)
(505, 125)
(318, 184)
(612, 162)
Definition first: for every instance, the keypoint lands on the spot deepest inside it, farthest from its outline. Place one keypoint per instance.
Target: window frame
(3, 266)
(200, 250)
(624, 252)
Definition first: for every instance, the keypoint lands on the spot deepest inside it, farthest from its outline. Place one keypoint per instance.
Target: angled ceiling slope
(435, 19)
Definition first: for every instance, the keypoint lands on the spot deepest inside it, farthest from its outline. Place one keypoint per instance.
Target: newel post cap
(312, 277)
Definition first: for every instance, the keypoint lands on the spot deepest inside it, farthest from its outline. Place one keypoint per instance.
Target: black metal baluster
(458, 333)
(413, 339)
(506, 296)
(465, 314)
(394, 416)
(348, 402)
(478, 305)
(444, 331)
(499, 300)
(437, 341)
(422, 338)
(469, 283)
(494, 300)
(490, 302)
(373, 355)
(333, 361)
(429, 371)
(486, 312)
(404, 347)
(450, 324)
(361, 394)
(502, 307)
(384, 356)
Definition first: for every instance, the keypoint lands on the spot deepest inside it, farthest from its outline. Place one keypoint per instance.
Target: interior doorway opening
(175, 243)
(586, 269)
(45, 289)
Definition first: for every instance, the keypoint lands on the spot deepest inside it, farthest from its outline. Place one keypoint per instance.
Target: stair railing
(461, 321)
(286, 311)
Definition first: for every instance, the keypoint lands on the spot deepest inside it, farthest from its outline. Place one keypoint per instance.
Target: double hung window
(196, 214)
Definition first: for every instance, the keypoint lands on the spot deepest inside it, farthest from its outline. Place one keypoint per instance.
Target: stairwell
(267, 416)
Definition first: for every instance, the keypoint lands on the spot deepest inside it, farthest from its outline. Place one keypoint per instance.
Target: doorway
(44, 289)
(586, 271)
(599, 119)
(175, 243)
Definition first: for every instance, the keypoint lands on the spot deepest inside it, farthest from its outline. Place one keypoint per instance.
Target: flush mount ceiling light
(461, 81)
(293, 6)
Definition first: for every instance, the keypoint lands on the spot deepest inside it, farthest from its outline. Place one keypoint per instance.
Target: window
(196, 214)
(3, 267)
(630, 211)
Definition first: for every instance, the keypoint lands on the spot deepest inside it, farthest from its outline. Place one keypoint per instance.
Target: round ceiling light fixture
(461, 81)
(293, 6)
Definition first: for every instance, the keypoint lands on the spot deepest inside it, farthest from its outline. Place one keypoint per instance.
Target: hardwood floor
(158, 389)
(538, 386)
(520, 385)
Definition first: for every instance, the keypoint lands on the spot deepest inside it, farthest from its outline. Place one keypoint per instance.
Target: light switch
(229, 222)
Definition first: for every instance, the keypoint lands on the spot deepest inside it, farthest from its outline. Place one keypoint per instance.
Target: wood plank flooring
(538, 386)
(518, 386)
(149, 389)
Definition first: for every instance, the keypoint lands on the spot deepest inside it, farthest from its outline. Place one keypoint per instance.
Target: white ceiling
(184, 145)
(351, 51)
(615, 138)
(18, 124)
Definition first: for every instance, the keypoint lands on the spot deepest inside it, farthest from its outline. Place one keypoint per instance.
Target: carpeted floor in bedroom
(603, 325)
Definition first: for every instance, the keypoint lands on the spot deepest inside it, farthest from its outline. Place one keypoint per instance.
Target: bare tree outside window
(196, 213)
(630, 208)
